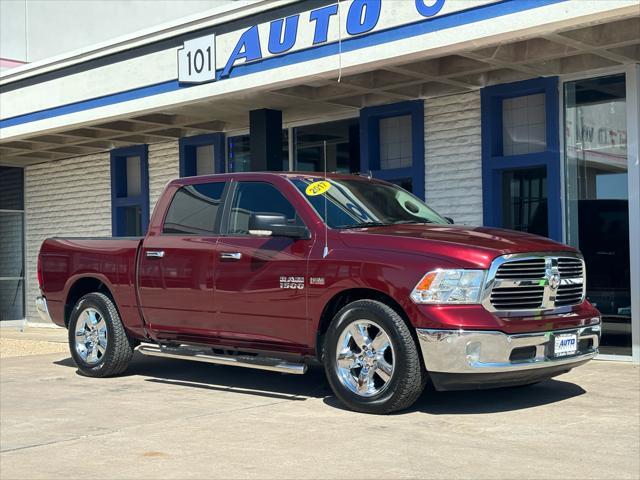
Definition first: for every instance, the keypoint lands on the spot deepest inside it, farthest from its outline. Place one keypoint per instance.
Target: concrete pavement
(177, 419)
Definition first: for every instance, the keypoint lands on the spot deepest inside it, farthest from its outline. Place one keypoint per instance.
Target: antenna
(325, 252)
(339, 44)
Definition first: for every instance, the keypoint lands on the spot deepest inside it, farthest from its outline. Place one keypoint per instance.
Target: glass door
(11, 244)
(595, 117)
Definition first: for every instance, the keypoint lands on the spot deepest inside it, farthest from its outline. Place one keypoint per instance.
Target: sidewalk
(32, 341)
(192, 420)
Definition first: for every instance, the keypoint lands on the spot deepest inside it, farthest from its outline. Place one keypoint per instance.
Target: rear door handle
(230, 255)
(155, 253)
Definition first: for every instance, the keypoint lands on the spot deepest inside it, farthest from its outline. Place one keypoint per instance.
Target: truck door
(261, 280)
(177, 266)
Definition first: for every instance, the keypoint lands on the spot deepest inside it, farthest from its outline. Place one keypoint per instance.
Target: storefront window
(597, 199)
(11, 244)
(520, 157)
(395, 142)
(239, 152)
(523, 125)
(202, 154)
(524, 203)
(129, 191)
(343, 146)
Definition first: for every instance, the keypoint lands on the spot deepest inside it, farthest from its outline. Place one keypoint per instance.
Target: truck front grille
(535, 282)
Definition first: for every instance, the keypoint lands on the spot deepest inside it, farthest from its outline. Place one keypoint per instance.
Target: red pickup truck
(276, 271)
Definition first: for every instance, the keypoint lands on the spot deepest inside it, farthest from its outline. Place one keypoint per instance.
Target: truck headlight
(449, 286)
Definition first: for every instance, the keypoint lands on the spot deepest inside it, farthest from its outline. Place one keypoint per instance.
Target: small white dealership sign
(197, 60)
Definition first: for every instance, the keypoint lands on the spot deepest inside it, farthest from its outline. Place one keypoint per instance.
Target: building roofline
(215, 16)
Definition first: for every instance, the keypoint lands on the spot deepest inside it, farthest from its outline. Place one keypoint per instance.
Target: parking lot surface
(177, 419)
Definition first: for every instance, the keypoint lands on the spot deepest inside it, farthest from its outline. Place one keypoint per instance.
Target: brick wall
(453, 169)
(69, 197)
(163, 167)
(72, 197)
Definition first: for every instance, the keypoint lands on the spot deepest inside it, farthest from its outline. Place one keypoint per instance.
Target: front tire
(98, 341)
(371, 360)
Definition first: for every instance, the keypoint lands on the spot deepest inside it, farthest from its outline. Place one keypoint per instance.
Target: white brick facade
(68, 198)
(453, 156)
(72, 197)
(163, 167)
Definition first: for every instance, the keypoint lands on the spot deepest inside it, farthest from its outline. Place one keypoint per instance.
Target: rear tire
(371, 359)
(98, 341)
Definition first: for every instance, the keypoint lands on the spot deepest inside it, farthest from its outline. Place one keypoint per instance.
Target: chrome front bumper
(43, 310)
(482, 352)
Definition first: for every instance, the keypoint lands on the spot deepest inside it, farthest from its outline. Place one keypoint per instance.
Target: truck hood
(471, 247)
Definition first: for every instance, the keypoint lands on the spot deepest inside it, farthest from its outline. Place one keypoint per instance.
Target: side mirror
(449, 219)
(275, 225)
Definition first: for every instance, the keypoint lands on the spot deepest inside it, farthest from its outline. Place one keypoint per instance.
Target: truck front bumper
(43, 309)
(474, 359)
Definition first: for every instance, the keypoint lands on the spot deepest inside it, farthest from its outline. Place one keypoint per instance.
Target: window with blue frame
(202, 155)
(392, 144)
(521, 157)
(129, 191)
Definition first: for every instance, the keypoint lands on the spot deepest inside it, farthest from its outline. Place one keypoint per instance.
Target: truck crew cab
(278, 270)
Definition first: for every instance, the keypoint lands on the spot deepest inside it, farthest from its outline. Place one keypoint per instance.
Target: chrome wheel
(91, 336)
(364, 358)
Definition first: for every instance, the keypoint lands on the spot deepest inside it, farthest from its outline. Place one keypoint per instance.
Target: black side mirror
(275, 225)
(449, 219)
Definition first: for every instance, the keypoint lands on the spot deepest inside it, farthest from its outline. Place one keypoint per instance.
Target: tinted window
(258, 197)
(11, 191)
(194, 209)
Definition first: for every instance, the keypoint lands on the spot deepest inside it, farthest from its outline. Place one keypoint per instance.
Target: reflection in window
(396, 150)
(194, 209)
(11, 243)
(524, 125)
(130, 187)
(205, 160)
(597, 199)
(258, 197)
(239, 152)
(343, 147)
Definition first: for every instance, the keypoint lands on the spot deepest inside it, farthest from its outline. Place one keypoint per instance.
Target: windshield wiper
(363, 225)
(411, 222)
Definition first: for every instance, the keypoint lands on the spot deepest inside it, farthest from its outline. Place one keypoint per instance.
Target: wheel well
(347, 296)
(80, 289)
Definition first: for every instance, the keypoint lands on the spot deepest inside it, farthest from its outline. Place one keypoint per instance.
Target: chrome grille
(510, 298)
(568, 294)
(528, 268)
(534, 282)
(570, 267)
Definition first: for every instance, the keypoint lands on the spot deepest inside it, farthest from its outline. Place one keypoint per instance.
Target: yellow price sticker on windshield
(317, 188)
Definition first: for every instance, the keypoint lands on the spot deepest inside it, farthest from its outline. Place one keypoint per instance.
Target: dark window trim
(493, 161)
(187, 147)
(142, 200)
(370, 142)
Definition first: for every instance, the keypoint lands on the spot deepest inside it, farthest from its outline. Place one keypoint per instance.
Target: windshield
(361, 203)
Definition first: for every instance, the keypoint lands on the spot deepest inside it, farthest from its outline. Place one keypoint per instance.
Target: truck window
(258, 197)
(194, 210)
(355, 203)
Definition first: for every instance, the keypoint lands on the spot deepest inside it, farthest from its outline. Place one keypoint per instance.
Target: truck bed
(65, 262)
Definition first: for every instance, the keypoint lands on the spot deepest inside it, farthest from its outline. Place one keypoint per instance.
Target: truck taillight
(40, 272)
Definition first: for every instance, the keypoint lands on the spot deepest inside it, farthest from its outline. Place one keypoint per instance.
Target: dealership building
(522, 114)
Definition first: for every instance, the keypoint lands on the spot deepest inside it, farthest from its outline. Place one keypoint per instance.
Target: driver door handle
(155, 253)
(230, 255)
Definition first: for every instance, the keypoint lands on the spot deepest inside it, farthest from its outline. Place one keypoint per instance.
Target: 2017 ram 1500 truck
(275, 271)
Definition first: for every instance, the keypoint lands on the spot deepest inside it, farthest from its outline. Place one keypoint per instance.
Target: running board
(200, 355)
